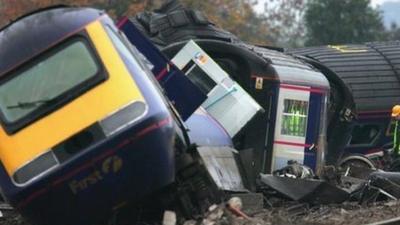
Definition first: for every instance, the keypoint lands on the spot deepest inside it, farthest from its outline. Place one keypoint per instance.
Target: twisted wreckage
(100, 120)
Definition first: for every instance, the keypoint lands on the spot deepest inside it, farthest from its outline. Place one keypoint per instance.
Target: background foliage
(237, 16)
(288, 23)
(342, 21)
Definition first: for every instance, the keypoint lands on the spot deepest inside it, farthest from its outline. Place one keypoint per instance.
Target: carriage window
(202, 80)
(364, 134)
(294, 120)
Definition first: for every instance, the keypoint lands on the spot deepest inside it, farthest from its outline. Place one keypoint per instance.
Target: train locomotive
(85, 127)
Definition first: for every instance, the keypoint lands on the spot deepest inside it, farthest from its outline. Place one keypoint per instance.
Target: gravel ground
(344, 214)
(290, 214)
(12, 218)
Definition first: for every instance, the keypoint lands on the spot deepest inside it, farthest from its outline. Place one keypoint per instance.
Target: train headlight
(123, 117)
(35, 168)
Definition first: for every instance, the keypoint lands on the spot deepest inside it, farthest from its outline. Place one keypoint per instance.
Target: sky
(379, 2)
(260, 6)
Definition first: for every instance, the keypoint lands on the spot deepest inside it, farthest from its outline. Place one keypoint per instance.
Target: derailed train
(82, 118)
(102, 133)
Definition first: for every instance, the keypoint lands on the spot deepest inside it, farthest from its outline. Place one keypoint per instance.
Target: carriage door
(297, 126)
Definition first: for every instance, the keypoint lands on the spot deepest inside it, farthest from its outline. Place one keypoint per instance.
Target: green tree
(342, 21)
(393, 33)
(236, 16)
(285, 20)
(278, 25)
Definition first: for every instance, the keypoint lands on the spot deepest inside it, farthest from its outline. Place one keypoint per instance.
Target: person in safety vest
(396, 136)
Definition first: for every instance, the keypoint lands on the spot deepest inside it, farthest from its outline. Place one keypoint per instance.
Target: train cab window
(364, 134)
(53, 78)
(294, 118)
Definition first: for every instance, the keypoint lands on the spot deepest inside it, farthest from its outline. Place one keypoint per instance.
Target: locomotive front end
(79, 117)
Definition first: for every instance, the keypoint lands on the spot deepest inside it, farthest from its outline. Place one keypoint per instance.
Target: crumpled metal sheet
(221, 163)
(389, 182)
(305, 190)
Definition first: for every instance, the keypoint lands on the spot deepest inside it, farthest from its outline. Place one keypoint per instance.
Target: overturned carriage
(371, 71)
(300, 102)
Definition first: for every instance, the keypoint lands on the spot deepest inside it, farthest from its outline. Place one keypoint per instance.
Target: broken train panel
(225, 97)
(213, 142)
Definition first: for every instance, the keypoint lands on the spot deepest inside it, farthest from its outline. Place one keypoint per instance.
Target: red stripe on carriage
(307, 89)
(292, 144)
(162, 73)
(122, 21)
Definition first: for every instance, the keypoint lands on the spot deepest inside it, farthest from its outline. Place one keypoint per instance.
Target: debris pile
(294, 195)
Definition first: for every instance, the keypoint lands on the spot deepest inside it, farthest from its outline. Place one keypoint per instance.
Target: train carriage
(371, 71)
(294, 97)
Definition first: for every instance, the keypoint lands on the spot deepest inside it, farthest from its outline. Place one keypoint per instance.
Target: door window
(294, 119)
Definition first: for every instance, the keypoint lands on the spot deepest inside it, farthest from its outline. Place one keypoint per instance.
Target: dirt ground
(291, 214)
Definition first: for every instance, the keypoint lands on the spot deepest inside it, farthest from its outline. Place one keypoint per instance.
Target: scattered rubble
(294, 196)
(287, 213)
(294, 213)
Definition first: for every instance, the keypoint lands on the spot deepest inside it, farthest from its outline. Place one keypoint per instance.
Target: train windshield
(48, 80)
